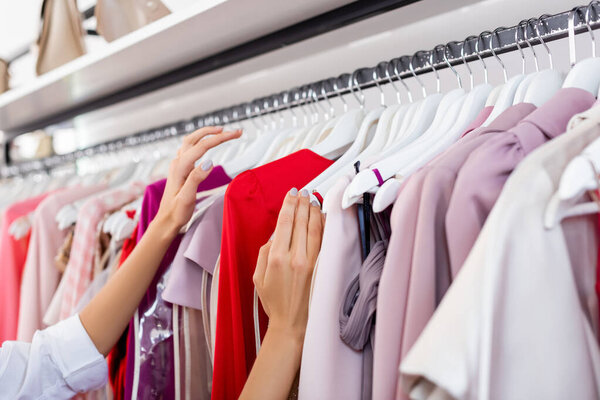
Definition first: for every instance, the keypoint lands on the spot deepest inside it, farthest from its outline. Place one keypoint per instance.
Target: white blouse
(60, 362)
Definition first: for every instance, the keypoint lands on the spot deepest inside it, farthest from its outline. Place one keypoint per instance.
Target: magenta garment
(483, 175)
(13, 253)
(198, 252)
(40, 276)
(416, 272)
(156, 372)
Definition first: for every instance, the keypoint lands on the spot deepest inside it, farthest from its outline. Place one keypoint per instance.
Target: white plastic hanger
(345, 130)
(368, 129)
(256, 149)
(525, 83)
(584, 74)
(507, 93)
(545, 83)
(432, 111)
(466, 110)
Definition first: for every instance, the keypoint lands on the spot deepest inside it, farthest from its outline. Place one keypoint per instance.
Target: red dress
(252, 204)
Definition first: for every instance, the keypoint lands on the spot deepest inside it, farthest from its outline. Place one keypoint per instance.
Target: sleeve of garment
(60, 362)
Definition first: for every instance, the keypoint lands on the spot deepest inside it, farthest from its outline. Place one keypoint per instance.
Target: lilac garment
(197, 252)
(483, 175)
(416, 271)
(357, 313)
(330, 369)
(159, 369)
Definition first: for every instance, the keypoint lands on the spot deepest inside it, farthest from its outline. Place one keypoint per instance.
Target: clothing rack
(533, 31)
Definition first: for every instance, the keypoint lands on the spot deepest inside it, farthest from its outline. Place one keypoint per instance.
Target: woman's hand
(282, 278)
(179, 198)
(285, 265)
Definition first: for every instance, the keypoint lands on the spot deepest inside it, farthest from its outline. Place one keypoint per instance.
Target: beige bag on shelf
(3, 76)
(116, 18)
(61, 39)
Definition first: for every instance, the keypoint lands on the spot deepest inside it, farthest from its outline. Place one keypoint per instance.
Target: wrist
(294, 337)
(164, 227)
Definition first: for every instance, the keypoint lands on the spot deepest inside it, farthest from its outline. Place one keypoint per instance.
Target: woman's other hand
(179, 198)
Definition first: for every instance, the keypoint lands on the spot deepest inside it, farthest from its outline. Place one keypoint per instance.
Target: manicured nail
(304, 193)
(218, 127)
(294, 192)
(206, 165)
(315, 203)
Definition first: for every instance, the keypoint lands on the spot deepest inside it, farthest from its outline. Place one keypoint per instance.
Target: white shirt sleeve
(59, 362)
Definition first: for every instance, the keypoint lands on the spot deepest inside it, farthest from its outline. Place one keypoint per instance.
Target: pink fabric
(416, 272)
(40, 276)
(479, 120)
(331, 369)
(78, 274)
(12, 253)
(483, 175)
(198, 252)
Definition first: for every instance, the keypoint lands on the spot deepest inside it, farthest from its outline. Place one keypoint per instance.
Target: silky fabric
(517, 321)
(479, 120)
(156, 372)
(252, 203)
(331, 369)
(13, 253)
(197, 252)
(416, 272)
(60, 362)
(357, 314)
(481, 178)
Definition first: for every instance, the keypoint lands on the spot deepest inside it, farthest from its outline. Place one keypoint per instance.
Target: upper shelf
(204, 29)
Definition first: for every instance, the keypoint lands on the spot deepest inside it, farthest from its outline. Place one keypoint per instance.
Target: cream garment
(60, 362)
(214, 298)
(517, 322)
(330, 368)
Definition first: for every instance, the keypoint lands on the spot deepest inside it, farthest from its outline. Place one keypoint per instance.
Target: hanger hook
(485, 71)
(528, 41)
(337, 91)
(324, 94)
(446, 48)
(412, 70)
(376, 80)
(318, 104)
(495, 33)
(437, 75)
(354, 81)
(520, 49)
(397, 73)
(288, 104)
(464, 59)
(589, 28)
(541, 39)
(391, 81)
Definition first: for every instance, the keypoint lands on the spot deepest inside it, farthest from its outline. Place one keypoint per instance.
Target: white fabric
(59, 362)
(517, 322)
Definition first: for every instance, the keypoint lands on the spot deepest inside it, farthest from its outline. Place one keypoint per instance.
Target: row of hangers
(393, 141)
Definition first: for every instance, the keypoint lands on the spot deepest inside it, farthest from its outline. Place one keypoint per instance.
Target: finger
(300, 231)
(190, 186)
(193, 138)
(285, 222)
(261, 266)
(194, 153)
(315, 233)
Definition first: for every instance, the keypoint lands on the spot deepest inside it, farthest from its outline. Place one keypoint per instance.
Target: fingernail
(294, 192)
(304, 193)
(218, 127)
(206, 165)
(315, 203)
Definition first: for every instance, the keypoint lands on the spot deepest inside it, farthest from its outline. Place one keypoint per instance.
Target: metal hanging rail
(546, 28)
